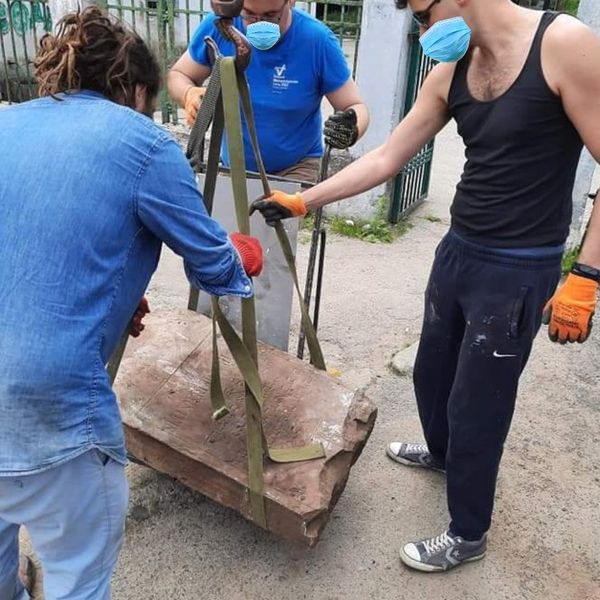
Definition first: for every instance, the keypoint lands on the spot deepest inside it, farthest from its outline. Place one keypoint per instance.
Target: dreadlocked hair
(91, 51)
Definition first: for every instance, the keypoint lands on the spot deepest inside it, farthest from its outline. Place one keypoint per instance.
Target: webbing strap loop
(312, 340)
(223, 109)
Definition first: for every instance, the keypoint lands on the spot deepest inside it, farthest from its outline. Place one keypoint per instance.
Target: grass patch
(432, 219)
(569, 259)
(570, 6)
(308, 222)
(374, 230)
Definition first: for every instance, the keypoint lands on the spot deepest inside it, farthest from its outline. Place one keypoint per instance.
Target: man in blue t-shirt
(296, 61)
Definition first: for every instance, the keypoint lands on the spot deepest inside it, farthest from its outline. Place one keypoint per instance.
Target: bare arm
(185, 73)
(347, 97)
(428, 116)
(571, 58)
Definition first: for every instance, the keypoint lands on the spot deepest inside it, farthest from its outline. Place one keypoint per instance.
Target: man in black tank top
(525, 93)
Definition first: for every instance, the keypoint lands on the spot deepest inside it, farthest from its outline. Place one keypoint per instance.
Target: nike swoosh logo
(496, 355)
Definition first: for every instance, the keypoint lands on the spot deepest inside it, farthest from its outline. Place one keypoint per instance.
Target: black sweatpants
(482, 312)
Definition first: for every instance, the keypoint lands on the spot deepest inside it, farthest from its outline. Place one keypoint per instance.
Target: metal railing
(411, 185)
(166, 25)
(343, 17)
(169, 25)
(22, 24)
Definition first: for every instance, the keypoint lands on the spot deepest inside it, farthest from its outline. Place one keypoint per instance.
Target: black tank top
(522, 153)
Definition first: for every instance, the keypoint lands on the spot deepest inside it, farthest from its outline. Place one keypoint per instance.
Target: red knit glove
(136, 326)
(250, 252)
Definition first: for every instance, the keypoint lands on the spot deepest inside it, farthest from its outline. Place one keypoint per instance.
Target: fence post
(381, 77)
(589, 14)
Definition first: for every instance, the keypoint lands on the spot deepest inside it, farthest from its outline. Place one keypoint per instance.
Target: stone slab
(163, 386)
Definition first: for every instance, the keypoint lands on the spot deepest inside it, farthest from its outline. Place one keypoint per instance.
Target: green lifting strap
(224, 105)
(247, 366)
(228, 90)
(312, 341)
(245, 353)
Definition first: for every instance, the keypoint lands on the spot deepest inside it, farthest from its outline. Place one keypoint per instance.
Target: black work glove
(341, 129)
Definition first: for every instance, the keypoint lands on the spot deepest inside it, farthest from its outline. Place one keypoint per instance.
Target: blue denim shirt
(89, 190)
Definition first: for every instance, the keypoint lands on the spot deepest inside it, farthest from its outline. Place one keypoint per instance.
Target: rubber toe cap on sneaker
(394, 448)
(411, 551)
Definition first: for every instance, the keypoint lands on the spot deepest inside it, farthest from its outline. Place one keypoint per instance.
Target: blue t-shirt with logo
(287, 84)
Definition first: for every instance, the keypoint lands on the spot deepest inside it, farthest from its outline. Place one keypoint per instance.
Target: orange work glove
(250, 252)
(279, 205)
(569, 312)
(191, 103)
(136, 326)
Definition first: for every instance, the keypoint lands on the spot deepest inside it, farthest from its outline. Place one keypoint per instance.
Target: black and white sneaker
(413, 455)
(442, 553)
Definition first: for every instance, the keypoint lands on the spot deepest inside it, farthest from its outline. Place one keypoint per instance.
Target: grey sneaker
(413, 455)
(442, 553)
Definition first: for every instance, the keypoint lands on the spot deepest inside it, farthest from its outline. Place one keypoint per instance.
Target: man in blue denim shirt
(89, 190)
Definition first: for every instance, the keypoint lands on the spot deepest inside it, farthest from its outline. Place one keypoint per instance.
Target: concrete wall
(381, 77)
(589, 13)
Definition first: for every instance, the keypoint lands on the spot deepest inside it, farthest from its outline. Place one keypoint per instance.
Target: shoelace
(416, 448)
(438, 543)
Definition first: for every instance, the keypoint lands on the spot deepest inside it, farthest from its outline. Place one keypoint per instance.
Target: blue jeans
(75, 515)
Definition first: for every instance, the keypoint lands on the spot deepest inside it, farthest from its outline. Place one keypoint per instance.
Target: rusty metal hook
(227, 9)
(243, 50)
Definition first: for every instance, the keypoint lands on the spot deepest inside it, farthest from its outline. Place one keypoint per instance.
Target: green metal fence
(343, 17)
(411, 185)
(22, 23)
(166, 25)
(569, 6)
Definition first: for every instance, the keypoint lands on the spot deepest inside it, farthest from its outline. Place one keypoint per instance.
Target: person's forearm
(178, 84)
(590, 252)
(424, 121)
(362, 118)
(365, 173)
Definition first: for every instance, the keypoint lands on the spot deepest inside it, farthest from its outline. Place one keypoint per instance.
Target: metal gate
(166, 25)
(411, 185)
(343, 17)
(169, 25)
(22, 24)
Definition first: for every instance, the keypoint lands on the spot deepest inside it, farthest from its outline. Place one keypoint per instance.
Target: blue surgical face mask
(447, 40)
(263, 35)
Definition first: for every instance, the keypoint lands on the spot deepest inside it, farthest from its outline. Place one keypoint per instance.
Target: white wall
(381, 78)
(589, 13)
